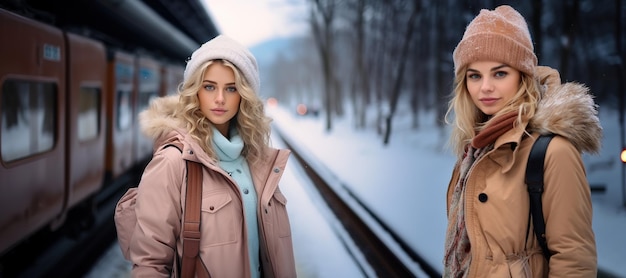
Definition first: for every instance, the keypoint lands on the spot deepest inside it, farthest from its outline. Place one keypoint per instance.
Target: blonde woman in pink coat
(219, 119)
(502, 102)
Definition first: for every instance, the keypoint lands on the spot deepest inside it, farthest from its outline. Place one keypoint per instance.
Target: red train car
(32, 127)
(69, 136)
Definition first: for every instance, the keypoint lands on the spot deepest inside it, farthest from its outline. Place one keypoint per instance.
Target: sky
(404, 183)
(254, 21)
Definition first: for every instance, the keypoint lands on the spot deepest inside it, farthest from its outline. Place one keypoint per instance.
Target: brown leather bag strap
(191, 221)
(202, 271)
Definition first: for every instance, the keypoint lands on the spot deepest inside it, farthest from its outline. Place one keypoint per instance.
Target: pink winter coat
(223, 243)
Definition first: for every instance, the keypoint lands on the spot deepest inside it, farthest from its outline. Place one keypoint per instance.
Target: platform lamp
(623, 159)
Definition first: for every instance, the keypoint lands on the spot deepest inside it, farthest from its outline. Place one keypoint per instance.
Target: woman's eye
(501, 74)
(473, 76)
(231, 89)
(209, 87)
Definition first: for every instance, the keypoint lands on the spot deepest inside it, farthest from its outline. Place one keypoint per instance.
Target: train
(68, 130)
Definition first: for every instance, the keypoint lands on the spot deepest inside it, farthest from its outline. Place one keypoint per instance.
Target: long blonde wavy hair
(251, 122)
(468, 120)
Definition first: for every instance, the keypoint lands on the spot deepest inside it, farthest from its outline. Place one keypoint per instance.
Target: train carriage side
(119, 107)
(86, 117)
(172, 77)
(32, 127)
(148, 81)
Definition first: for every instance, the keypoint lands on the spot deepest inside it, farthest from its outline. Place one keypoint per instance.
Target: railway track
(379, 256)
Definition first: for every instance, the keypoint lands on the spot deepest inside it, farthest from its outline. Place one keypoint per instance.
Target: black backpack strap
(534, 181)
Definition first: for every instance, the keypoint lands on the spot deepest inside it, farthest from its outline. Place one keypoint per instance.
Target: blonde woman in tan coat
(219, 119)
(502, 102)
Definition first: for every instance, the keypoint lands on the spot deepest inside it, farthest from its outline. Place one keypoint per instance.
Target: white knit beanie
(223, 47)
(500, 35)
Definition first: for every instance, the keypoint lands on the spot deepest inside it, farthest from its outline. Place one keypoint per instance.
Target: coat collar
(268, 171)
(505, 148)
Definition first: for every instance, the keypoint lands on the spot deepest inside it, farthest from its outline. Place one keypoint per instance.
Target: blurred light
(623, 155)
(301, 109)
(272, 102)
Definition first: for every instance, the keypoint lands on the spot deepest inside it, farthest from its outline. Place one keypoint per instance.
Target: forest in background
(373, 55)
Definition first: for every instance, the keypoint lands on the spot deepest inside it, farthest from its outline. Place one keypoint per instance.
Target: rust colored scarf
(494, 129)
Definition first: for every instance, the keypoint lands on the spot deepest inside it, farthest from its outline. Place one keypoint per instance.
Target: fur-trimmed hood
(567, 110)
(158, 121)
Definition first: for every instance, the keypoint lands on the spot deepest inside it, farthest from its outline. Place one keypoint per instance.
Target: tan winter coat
(497, 204)
(223, 243)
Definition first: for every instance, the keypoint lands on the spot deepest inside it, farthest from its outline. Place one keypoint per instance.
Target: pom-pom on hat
(223, 47)
(500, 35)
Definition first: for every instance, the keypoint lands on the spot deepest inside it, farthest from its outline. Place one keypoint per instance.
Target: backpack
(534, 181)
(126, 220)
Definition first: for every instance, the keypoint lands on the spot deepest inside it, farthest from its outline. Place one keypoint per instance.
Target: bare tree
(438, 63)
(536, 26)
(322, 15)
(382, 28)
(420, 63)
(397, 85)
(359, 84)
(570, 20)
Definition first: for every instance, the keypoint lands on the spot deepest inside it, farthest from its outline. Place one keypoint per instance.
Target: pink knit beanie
(223, 47)
(500, 35)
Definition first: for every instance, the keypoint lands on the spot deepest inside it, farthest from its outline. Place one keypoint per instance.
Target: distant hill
(265, 52)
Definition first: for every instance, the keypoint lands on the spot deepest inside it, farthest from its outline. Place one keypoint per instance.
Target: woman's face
(218, 96)
(491, 85)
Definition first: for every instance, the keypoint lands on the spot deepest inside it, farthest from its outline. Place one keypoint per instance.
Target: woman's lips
(488, 101)
(218, 111)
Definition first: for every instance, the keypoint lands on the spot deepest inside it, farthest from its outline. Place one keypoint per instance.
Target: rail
(384, 260)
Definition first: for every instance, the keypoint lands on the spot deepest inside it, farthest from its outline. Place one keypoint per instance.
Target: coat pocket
(279, 203)
(126, 220)
(219, 219)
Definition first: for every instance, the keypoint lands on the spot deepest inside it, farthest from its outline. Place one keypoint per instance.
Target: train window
(89, 113)
(28, 119)
(124, 110)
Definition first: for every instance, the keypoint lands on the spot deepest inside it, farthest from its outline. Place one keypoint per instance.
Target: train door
(86, 118)
(119, 106)
(148, 87)
(32, 127)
